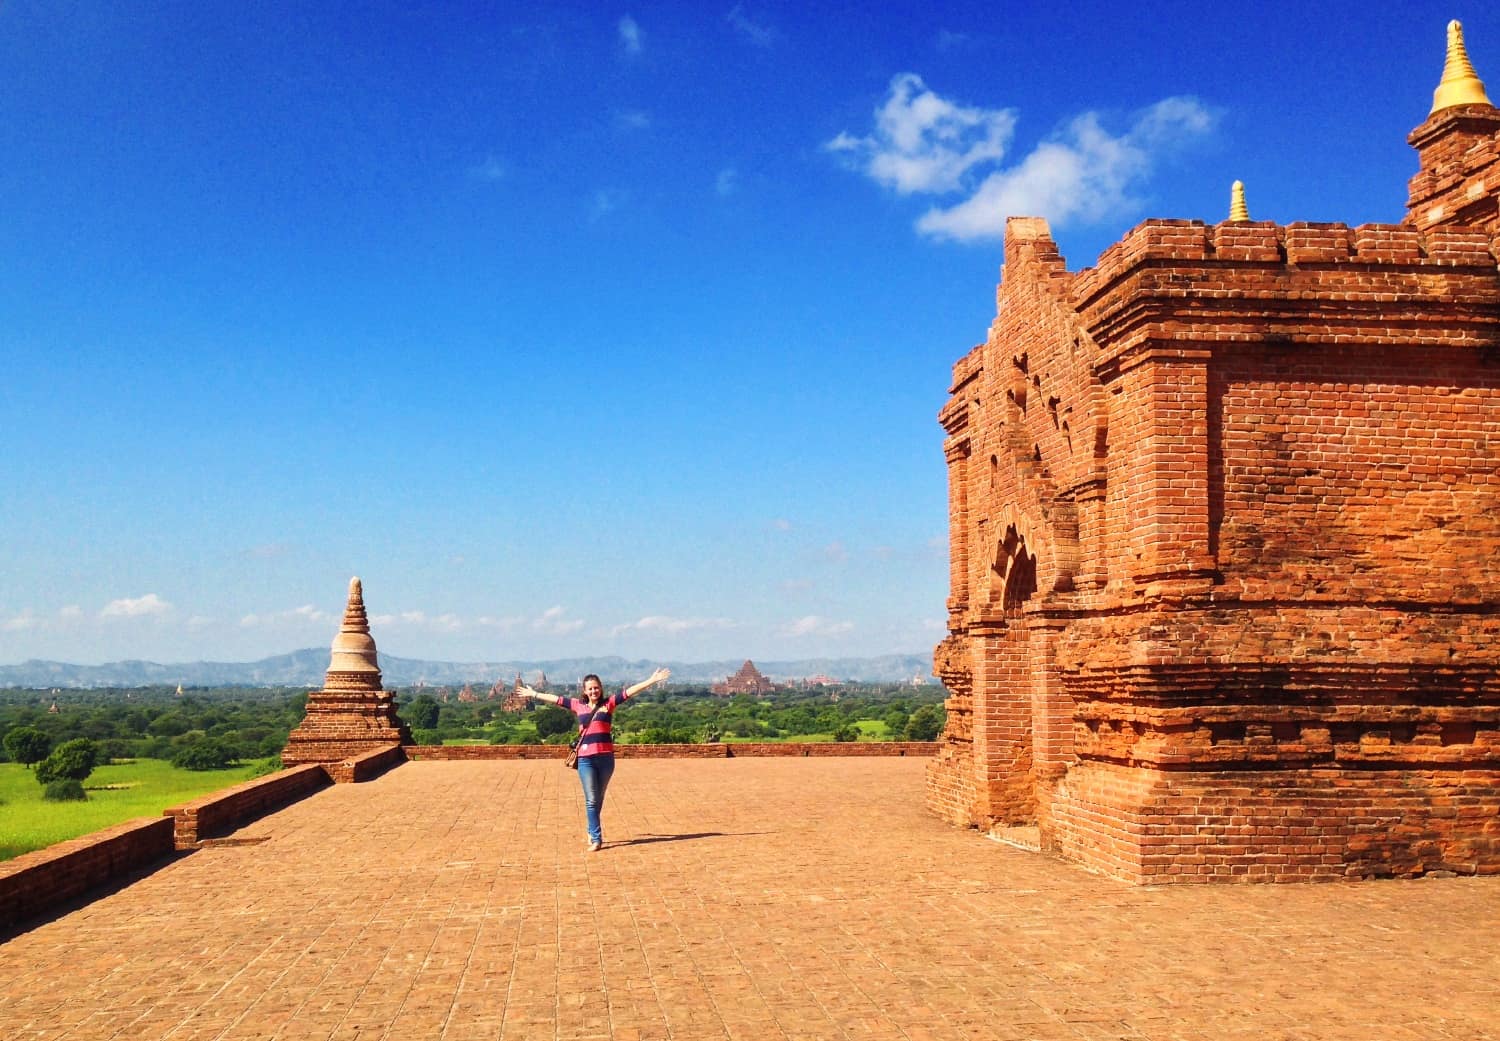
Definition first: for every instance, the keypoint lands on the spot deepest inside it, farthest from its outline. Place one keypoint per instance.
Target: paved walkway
(742, 898)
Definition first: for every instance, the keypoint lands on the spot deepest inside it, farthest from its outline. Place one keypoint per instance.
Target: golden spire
(354, 665)
(1460, 85)
(1237, 209)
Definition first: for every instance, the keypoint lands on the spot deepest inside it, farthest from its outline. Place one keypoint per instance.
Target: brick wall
(36, 882)
(223, 812)
(1225, 543)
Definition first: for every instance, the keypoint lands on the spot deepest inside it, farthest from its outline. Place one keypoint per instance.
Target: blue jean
(595, 771)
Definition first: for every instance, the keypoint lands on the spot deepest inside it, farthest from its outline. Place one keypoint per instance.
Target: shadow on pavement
(679, 838)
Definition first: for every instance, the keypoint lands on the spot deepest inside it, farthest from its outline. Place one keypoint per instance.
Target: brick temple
(351, 715)
(1225, 539)
(748, 680)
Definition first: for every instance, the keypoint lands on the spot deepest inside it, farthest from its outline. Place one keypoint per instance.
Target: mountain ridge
(306, 667)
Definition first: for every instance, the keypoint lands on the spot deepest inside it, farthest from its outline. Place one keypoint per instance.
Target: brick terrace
(742, 898)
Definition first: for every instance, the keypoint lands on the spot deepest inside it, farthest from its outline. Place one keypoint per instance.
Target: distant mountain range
(305, 668)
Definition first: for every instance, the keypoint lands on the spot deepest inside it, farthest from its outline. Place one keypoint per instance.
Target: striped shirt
(596, 738)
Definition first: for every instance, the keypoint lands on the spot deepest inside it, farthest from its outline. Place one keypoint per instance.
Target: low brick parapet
(36, 882)
(222, 812)
(366, 766)
(727, 750)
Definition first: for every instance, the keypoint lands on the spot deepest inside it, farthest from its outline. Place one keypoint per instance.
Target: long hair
(583, 686)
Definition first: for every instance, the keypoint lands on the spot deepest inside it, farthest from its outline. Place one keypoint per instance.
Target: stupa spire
(1238, 211)
(351, 715)
(1460, 84)
(354, 665)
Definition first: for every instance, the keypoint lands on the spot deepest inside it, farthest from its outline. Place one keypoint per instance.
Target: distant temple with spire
(748, 680)
(1224, 533)
(351, 714)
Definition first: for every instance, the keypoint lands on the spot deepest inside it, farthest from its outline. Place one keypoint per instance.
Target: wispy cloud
(671, 626)
(20, 622)
(632, 39)
(923, 143)
(139, 607)
(489, 169)
(948, 41)
(307, 613)
(28, 619)
(633, 119)
(554, 622)
(836, 552)
(726, 182)
(814, 625)
(752, 31)
(605, 202)
(781, 524)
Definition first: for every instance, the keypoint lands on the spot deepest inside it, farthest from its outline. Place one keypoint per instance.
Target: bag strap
(583, 724)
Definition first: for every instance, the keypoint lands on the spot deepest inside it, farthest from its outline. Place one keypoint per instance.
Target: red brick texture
(34, 882)
(222, 812)
(1225, 543)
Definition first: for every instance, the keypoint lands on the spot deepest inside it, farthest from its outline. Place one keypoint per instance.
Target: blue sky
(576, 329)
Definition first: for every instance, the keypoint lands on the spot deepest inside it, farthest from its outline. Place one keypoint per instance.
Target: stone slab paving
(741, 898)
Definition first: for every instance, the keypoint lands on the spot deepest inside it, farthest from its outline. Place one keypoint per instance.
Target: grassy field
(117, 793)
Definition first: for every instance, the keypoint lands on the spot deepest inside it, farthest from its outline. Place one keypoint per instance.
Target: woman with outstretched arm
(596, 749)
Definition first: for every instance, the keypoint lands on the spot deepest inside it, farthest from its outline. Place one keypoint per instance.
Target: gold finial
(1237, 208)
(1460, 84)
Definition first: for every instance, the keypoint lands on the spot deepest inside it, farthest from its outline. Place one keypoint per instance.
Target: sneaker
(594, 847)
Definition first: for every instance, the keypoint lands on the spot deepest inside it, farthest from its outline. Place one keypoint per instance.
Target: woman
(596, 750)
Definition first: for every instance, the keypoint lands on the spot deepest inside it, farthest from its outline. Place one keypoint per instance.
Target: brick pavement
(743, 898)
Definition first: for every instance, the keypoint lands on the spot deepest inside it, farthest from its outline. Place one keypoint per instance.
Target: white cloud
(753, 31)
(632, 39)
(633, 119)
(671, 626)
(923, 143)
(836, 552)
(553, 623)
(781, 524)
(19, 623)
(727, 181)
(814, 625)
(70, 612)
(150, 604)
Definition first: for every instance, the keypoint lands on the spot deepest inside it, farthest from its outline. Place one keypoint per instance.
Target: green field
(117, 793)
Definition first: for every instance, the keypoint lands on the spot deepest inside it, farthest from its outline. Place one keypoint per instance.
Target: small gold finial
(1460, 84)
(1237, 208)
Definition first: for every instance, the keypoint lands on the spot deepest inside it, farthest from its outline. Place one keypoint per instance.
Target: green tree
(552, 720)
(27, 745)
(208, 754)
(421, 714)
(72, 760)
(65, 790)
(925, 724)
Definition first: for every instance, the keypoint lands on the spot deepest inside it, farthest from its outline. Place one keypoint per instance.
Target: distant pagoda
(746, 681)
(351, 714)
